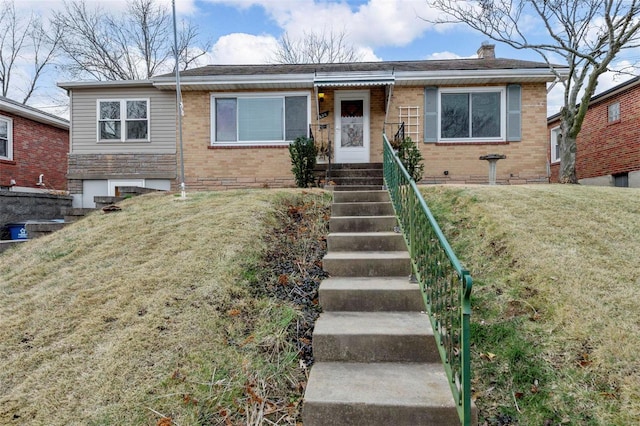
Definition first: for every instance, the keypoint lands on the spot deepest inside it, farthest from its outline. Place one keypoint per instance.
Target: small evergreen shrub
(303, 154)
(411, 159)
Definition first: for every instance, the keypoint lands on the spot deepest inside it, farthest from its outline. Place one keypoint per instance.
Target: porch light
(321, 96)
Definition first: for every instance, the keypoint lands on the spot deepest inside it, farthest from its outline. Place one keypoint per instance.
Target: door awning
(351, 79)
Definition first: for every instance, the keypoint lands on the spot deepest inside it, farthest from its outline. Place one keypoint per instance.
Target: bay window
(257, 118)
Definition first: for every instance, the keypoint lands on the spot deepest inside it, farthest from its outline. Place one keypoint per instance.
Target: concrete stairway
(376, 361)
(356, 176)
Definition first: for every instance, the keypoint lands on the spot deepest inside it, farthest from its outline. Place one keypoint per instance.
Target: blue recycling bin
(18, 231)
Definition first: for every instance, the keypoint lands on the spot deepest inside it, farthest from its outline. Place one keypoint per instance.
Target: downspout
(388, 106)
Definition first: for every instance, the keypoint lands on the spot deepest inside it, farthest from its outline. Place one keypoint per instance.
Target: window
(614, 112)
(6, 138)
(621, 180)
(471, 115)
(555, 144)
(123, 120)
(479, 114)
(251, 118)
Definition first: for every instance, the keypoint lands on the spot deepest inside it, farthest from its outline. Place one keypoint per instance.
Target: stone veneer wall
(119, 166)
(23, 206)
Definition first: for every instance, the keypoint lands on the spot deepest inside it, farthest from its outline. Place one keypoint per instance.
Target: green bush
(411, 159)
(303, 154)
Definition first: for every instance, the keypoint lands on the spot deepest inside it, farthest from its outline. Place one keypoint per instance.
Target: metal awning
(361, 79)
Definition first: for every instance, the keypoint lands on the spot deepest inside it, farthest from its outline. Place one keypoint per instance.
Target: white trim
(490, 89)
(237, 95)
(123, 120)
(553, 140)
(9, 121)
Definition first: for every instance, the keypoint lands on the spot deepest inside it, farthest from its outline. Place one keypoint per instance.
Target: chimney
(487, 51)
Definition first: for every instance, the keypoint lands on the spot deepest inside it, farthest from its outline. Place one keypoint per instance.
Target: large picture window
(472, 114)
(123, 120)
(6, 138)
(259, 118)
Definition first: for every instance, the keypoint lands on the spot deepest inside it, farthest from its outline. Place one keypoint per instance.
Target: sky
(247, 31)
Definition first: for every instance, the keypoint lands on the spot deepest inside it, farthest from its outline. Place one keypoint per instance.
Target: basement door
(352, 126)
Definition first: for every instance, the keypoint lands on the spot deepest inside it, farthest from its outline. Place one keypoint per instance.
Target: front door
(352, 126)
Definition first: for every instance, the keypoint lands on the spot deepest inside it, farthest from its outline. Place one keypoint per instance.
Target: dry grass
(559, 266)
(145, 314)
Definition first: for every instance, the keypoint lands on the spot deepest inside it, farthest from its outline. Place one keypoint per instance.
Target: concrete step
(367, 264)
(352, 166)
(36, 229)
(394, 294)
(399, 394)
(362, 223)
(73, 214)
(374, 337)
(339, 173)
(365, 241)
(344, 187)
(361, 196)
(358, 181)
(362, 209)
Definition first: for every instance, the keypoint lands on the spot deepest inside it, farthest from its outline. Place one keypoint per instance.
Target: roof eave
(33, 115)
(534, 75)
(101, 84)
(227, 82)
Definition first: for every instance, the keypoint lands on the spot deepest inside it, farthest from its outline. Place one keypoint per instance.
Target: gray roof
(22, 110)
(305, 76)
(389, 66)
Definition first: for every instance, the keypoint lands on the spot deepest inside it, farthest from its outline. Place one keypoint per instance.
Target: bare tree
(134, 45)
(24, 43)
(316, 48)
(586, 34)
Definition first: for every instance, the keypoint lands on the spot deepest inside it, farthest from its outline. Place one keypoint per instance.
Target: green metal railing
(445, 285)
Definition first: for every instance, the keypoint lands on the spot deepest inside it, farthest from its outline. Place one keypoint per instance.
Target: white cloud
(242, 48)
(447, 55)
(376, 23)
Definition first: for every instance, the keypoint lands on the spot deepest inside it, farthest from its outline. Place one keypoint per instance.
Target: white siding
(162, 119)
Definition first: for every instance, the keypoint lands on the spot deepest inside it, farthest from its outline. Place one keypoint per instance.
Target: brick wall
(604, 148)
(37, 149)
(208, 167)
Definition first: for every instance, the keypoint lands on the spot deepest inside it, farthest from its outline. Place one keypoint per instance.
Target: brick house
(33, 148)
(608, 146)
(239, 120)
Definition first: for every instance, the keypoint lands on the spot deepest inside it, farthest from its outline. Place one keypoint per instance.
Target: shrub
(411, 159)
(303, 154)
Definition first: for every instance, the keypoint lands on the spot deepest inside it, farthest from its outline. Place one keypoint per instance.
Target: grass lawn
(191, 312)
(556, 320)
(162, 313)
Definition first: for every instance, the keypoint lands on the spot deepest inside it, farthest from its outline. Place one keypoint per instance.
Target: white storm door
(352, 126)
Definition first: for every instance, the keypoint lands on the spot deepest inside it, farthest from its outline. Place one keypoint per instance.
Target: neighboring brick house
(608, 145)
(239, 120)
(33, 148)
